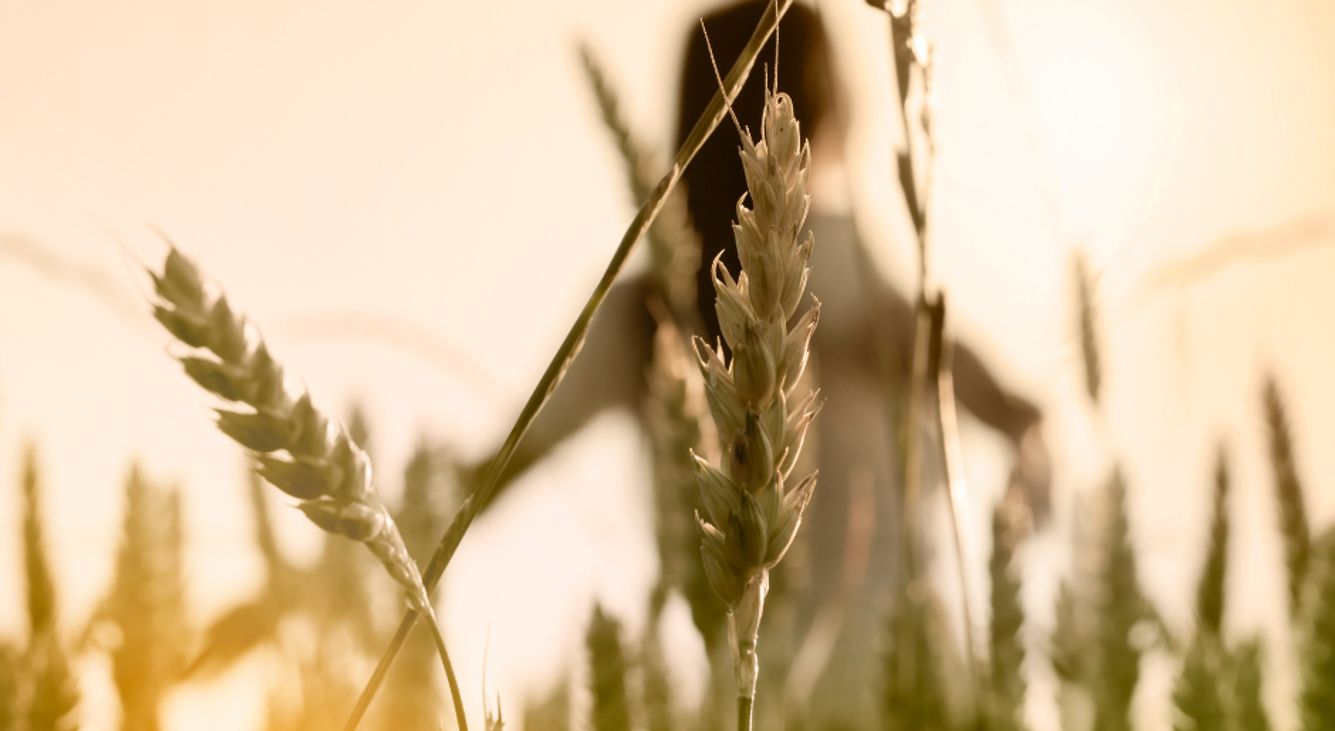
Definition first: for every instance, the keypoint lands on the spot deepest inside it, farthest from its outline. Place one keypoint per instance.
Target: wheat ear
(1294, 525)
(752, 504)
(569, 348)
(296, 447)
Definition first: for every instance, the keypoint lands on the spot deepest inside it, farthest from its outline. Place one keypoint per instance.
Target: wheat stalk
(569, 348)
(752, 504)
(296, 447)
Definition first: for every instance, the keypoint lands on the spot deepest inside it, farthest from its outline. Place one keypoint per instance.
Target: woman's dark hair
(714, 181)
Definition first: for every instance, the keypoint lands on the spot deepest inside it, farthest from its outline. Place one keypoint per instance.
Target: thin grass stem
(744, 708)
(569, 347)
(455, 696)
(952, 460)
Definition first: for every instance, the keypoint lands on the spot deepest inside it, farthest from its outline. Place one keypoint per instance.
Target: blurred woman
(861, 348)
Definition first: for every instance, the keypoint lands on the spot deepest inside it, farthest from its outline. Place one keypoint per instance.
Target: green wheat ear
(147, 602)
(1218, 687)
(51, 693)
(1199, 693)
(41, 588)
(1005, 708)
(1294, 526)
(1211, 592)
(1317, 699)
(676, 418)
(10, 713)
(1089, 335)
(655, 686)
(1099, 610)
(551, 712)
(1248, 712)
(753, 500)
(607, 674)
(412, 700)
(1120, 607)
(296, 447)
(913, 696)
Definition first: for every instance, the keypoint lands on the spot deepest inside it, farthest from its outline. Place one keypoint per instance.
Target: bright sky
(443, 164)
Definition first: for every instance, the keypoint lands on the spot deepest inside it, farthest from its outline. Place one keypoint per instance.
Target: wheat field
(1005, 407)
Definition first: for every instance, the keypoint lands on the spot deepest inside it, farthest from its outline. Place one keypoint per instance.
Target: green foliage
(1210, 592)
(656, 687)
(1293, 523)
(1199, 693)
(1121, 607)
(330, 599)
(146, 603)
(1089, 336)
(1249, 712)
(1218, 687)
(10, 713)
(913, 697)
(53, 693)
(1317, 702)
(51, 700)
(41, 589)
(1005, 643)
(255, 621)
(551, 713)
(412, 699)
(607, 674)
(1098, 611)
(674, 414)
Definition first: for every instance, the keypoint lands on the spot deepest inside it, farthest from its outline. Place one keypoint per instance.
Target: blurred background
(413, 200)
